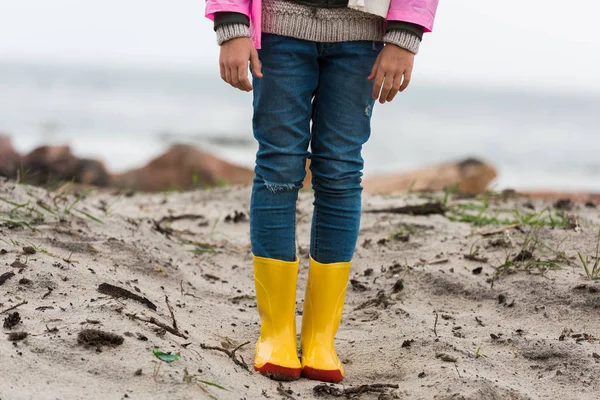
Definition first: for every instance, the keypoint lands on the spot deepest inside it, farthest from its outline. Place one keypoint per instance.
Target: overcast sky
(550, 43)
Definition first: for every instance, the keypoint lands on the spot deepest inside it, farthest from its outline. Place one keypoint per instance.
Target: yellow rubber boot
(276, 353)
(323, 306)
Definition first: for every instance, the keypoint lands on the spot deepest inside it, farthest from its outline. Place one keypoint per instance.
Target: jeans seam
(315, 122)
(316, 239)
(293, 253)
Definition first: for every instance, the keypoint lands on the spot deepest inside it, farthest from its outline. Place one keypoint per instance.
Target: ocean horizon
(125, 116)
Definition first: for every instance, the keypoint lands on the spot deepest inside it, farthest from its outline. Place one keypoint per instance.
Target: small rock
(501, 299)
(358, 286)
(18, 264)
(564, 204)
(98, 338)
(29, 250)
(17, 336)
(446, 357)
(138, 372)
(398, 286)
(11, 320)
(142, 337)
(401, 237)
(368, 272)
(524, 255)
(422, 374)
(477, 270)
(238, 216)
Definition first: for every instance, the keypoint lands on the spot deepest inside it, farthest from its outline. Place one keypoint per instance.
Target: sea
(536, 138)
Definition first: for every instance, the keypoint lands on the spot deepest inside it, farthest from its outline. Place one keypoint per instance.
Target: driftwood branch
(115, 291)
(172, 313)
(325, 389)
(230, 353)
(13, 307)
(435, 207)
(156, 322)
(167, 231)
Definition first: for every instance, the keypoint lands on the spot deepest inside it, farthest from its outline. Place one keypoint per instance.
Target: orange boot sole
(279, 373)
(330, 376)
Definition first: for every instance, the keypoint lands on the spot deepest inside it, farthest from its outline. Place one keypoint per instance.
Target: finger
(227, 74)
(255, 62)
(222, 71)
(406, 81)
(235, 81)
(378, 82)
(243, 78)
(387, 87)
(374, 69)
(395, 88)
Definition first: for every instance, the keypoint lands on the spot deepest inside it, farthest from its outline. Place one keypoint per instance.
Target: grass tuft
(592, 271)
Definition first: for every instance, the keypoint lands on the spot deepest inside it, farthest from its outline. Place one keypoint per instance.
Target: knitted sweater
(286, 18)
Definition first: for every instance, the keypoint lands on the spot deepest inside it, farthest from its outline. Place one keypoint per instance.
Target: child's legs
(281, 124)
(341, 125)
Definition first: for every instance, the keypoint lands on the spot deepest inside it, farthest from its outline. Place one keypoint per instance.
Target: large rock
(468, 176)
(182, 167)
(55, 164)
(9, 158)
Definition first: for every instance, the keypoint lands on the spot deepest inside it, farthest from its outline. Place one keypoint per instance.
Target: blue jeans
(326, 84)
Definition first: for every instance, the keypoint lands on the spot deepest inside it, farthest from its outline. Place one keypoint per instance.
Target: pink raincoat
(420, 12)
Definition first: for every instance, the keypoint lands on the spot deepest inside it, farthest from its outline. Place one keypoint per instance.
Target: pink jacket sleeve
(215, 6)
(420, 12)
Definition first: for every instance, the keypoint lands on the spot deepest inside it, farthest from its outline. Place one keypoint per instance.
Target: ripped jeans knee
(276, 187)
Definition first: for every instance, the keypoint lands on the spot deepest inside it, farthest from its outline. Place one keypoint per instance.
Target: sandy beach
(486, 298)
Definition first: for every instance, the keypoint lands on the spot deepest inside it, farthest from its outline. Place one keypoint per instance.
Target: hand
(233, 60)
(392, 65)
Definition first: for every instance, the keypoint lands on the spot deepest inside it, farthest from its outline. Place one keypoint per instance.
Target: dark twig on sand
(325, 389)
(476, 258)
(435, 207)
(158, 225)
(48, 293)
(284, 393)
(381, 299)
(13, 307)
(435, 324)
(496, 231)
(172, 313)
(457, 371)
(156, 322)
(6, 276)
(115, 291)
(230, 353)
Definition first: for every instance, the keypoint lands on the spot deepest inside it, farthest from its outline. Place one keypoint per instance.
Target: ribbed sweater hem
(307, 27)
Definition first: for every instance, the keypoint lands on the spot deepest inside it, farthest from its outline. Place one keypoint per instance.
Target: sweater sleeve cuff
(407, 26)
(403, 38)
(227, 32)
(222, 18)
